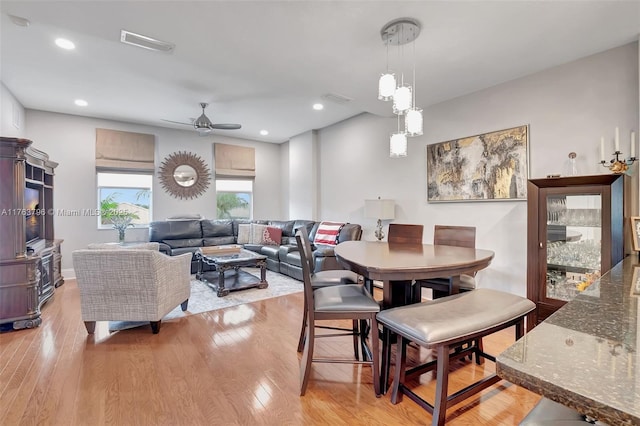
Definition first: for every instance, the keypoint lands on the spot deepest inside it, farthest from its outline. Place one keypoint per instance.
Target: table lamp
(379, 209)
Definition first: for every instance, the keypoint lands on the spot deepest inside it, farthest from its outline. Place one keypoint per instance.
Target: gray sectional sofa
(186, 236)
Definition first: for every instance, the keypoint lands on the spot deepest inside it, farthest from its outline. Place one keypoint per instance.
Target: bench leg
(442, 386)
(401, 365)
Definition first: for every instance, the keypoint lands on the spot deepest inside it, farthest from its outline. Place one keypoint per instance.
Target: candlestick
(602, 157)
(633, 144)
(617, 140)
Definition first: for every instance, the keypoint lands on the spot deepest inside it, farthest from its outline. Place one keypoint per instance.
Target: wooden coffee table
(228, 276)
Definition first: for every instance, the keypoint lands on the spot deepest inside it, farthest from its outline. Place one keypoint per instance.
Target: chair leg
(442, 386)
(307, 358)
(184, 305)
(401, 364)
(303, 330)
(480, 347)
(357, 338)
(386, 360)
(375, 366)
(90, 326)
(155, 326)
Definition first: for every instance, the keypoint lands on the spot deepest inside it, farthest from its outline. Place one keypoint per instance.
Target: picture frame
(635, 282)
(635, 232)
(489, 166)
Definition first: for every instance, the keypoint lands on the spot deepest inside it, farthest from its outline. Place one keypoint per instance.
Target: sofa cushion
(174, 230)
(183, 250)
(271, 252)
(328, 233)
(350, 232)
(186, 242)
(219, 241)
(217, 228)
(244, 233)
(291, 239)
(293, 258)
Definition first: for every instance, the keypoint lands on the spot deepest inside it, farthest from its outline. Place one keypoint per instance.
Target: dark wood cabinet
(29, 253)
(576, 232)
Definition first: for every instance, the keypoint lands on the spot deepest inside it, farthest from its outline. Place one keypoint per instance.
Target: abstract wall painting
(486, 167)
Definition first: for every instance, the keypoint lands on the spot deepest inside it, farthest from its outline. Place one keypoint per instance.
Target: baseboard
(68, 274)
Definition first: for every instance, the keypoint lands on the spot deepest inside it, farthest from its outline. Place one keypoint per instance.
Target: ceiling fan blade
(177, 122)
(226, 126)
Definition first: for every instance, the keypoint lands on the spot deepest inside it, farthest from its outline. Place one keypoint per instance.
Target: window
(234, 199)
(126, 196)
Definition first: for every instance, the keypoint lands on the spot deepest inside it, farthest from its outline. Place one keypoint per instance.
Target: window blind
(233, 161)
(124, 151)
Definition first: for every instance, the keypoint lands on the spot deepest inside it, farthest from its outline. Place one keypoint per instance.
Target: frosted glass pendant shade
(402, 100)
(386, 86)
(413, 122)
(398, 145)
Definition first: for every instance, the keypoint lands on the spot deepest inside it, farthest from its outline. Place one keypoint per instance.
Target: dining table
(397, 265)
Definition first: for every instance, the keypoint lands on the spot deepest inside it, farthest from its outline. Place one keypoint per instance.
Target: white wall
(568, 108)
(70, 141)
(303, 176)
(11, 114)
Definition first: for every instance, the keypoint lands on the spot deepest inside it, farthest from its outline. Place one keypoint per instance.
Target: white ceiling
(264, 63)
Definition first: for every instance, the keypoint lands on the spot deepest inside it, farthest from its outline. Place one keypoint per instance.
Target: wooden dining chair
(322, 279)
(458, 236)
(336, 302)
(405, 234)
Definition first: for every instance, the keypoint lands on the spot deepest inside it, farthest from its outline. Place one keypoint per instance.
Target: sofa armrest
(164, 248)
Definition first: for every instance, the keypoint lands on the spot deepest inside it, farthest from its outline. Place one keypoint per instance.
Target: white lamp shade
(379, 209)
(386, 86)
(401, 99)
(413, 122)
(398, 145)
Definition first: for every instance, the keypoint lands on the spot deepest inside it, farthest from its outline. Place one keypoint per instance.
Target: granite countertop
(585, 355)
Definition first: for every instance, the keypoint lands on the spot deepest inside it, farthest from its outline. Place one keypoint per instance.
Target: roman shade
(234, 161)
(117, 150)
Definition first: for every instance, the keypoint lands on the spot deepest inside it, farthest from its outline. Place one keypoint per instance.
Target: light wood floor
(237, 366)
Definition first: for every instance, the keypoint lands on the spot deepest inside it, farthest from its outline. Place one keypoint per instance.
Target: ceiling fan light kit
(397, 33)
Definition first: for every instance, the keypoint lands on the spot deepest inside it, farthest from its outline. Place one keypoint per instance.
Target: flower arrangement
(121, 222)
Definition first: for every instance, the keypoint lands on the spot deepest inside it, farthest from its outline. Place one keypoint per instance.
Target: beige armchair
(130, 284)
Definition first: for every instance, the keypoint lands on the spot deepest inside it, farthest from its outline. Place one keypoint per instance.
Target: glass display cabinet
(575, 233)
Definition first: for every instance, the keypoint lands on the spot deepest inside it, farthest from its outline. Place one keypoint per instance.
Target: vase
(121, 235)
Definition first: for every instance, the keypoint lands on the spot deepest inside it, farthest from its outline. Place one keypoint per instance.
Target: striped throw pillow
(327, 233)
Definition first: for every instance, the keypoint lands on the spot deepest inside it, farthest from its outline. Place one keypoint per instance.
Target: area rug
(204, 299)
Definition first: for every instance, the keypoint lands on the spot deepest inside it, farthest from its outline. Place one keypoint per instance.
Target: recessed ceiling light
(65, 44)
(81, 102)
(318, 107)
(264, 132)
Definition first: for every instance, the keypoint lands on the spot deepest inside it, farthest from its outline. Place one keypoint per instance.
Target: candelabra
(616, 165)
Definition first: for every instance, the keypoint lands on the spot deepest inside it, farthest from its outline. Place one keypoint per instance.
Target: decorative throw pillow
(257, 233)
(244, 233)
(327, 233)
(272, 236)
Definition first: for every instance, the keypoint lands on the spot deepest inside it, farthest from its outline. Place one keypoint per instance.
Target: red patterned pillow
(271, 236)
(327, 233)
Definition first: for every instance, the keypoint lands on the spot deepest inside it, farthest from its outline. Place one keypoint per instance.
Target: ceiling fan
(204, 126)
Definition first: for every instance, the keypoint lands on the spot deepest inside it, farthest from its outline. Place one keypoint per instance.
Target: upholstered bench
(453, 326)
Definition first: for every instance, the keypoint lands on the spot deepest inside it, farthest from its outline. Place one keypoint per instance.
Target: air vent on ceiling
(339, 99)
(145, 42)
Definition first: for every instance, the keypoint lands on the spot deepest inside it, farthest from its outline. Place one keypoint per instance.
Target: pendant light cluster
(398, 33)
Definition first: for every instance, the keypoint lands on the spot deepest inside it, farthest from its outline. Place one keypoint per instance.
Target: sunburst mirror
(184, 175)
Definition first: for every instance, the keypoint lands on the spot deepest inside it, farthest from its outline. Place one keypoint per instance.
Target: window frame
(99, 188)
(227, 191)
